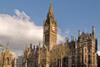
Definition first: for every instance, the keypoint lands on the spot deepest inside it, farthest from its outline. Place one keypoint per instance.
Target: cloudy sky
(18, 31)
(21, 21)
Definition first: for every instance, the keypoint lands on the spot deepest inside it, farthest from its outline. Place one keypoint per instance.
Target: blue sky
(71, 15)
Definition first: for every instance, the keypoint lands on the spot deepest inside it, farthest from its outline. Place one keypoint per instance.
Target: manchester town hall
(79, 52)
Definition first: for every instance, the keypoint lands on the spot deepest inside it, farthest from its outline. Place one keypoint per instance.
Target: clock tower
(50, 29)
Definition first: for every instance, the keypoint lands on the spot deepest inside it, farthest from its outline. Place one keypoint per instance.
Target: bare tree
(59, 52)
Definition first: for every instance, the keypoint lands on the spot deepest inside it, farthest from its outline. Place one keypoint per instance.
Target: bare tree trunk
(61, 62)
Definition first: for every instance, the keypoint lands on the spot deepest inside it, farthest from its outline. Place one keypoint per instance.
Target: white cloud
(98, 52)
(19, 30)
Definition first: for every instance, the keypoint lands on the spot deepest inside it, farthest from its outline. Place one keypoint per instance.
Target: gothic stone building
(7, 58)
(30, 57)
(84, 50)
(78, 52)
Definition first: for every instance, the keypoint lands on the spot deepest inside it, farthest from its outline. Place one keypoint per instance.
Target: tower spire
(51, 2)
(51, 12)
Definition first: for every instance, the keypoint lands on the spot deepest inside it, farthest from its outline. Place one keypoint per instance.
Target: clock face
(53, 29)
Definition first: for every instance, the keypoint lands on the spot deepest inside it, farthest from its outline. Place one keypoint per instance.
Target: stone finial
(79, 33)
(93, 31)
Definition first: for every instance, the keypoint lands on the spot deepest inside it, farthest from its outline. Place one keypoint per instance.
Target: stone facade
(30, 57)
(84, 50)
